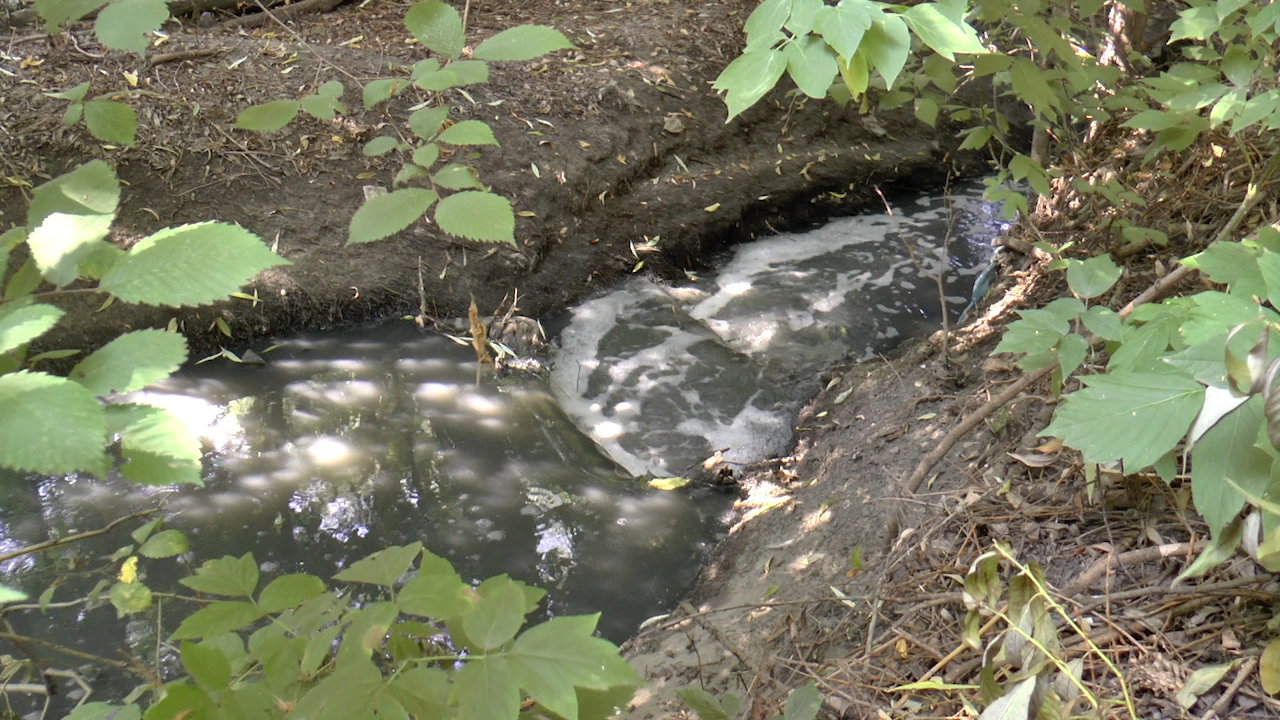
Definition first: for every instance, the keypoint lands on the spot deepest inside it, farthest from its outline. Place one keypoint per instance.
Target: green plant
(802, 704)
(468, 209)
(406, 638)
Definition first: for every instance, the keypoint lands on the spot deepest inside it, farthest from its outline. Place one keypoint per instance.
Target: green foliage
(802, 704)
(473, 215)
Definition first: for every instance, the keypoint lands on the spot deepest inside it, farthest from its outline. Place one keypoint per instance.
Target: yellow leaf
(365, 175)
(1269, 668)
(584, 144)
(129, 571)
(622, 158)
(712, 208)
(131, 78)
(668, 483)
(526, 213)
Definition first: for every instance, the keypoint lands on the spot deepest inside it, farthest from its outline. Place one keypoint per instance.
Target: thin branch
(75, 538)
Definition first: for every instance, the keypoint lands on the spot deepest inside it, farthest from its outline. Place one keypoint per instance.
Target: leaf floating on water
(669, 483)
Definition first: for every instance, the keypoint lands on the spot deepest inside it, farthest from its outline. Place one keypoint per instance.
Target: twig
(184, 55)
(75, 538)
(64, 650)
(1108, 563)
(1220, 706)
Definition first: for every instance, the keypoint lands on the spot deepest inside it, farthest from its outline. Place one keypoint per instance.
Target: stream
(350, 441)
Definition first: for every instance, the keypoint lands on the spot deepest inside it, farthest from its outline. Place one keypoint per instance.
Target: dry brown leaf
(479, 336)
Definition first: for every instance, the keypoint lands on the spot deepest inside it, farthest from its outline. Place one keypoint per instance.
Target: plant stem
(75, 538)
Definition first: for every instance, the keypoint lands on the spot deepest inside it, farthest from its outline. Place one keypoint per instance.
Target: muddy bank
(590, 154)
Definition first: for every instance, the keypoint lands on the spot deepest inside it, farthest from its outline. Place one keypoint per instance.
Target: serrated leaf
(380, 146)
(26, 324)
(843, 25)
(332, 89)
(124, 24)
(131, 362)
(189, 265)
(221, 617)
(458, 177)
(290, 591)
(811, 64)
(389, 214)
(232, 576)
(206, 664)
(1129, 416)
(163, 544)
(1090, 278)
(268, 117)
(1227, 452)
(91, 189)
(749, 77)
(524, 42)
(62, 240)
(469, 72)
(384, 567)
(497, 617)
(437, 26)
(477, 216)
(74, 95)
(129, 598)
(99, 258)
(426, 122)
(487, 690)
(49, 425)
(942, 27)
(1196, 23)
(468, 132)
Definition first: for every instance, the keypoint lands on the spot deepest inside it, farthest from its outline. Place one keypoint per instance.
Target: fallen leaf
(669, 483)
(526, 213)
(584, 144)
(1033, 460)
(712, 208)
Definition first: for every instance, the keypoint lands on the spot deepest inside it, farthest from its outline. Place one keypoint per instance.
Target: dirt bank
(589, 155)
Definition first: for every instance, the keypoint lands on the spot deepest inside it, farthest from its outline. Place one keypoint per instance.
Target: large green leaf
(487, 690)
(351, 692)
(206, 664)
(843, 25)
(423, 691)
(388, 214)
(812, 65)
(470, 72)
(49, 425)
(1129, 416)
(524, 42)
(477, 216)
(111, 121)
(91, 189)
(1090, 278)
(123, 24)
(767, 20)
(26, 324)
(497, 617)
(189, 265)
(131, 362)
(426, 122)
(887, 44)
(62, 240)
(268, 117)
(57, 12)
(437, 26)
(221, 617)
(1236, 266)
(1038, 330)
(1228, 451)
(469, 132)
(236, 577)
(366, 630)
(749, 77)
(802, 14)
(163, 544)
(435, 592)
(158, 446)
(942, 27)
(384, 567)
(456, 177)
(289, 591)
(551, 659)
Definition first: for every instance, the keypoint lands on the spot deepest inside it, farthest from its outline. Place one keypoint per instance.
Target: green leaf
(182, 701)
(812, 65)
(290, 591)
(749, 77)
(887, 44)
(189, 265)
(111, 121)
(437, 26)
(58, 12)
(1015, 704)
(50, 425)
(766, 20)
(98, 259)
(380, 146)
(423, 691)
(477, 216)
(366, 630)
(123, 24)
(551, 659)
(26, 324)
(1239, 64)
(802, 13)
(1090, 278)
(384, 567)
(322, 107)
(1236, 266)
(206, 664)
(1037, 330)
(268, 117)
(8, 594)
(1072, 350)
(75, 94)
(1202, 681)
(141, 534)
(1204, 361)
(524, 42)
(163, 544)
(1223, 549)
(236, 577)
(803, 703)
(487, 690)
(131, 362)
(469, 72)
(104, 711)
(1134, 417)
(942, 27)
(703, 703)
(60, 242)
(1269, 668)
(1196, 23)
(220, 617)
(379, 90)
(350, 692)
(1228, 451)
(843, 25)
(1032, 85)
(331, 89)
(129, 598)
(927, 111)
(387, 215)
(436, 592)
(457, 177)
(1104, 322)
(426, 122)
(497, 617)
(91, 189)
(468, 132)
